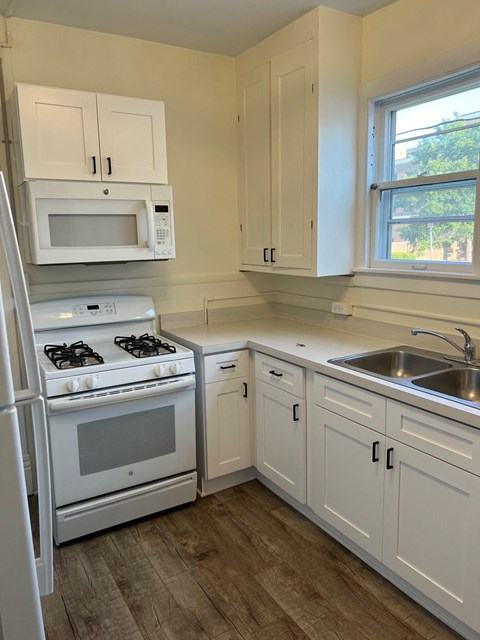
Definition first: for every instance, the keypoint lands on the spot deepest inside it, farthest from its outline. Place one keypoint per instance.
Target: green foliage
(457, 150)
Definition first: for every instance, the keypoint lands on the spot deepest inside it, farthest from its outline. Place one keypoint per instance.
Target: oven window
(116, 442)
(93, 230)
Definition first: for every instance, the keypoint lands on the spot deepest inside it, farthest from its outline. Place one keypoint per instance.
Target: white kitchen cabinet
(297, 95)
(276, 164)
(280, 424)
(254, 166)
(432, 528)
(347, 464)
(408, 500)
(223, 414)
(76, 135)
(228, 427)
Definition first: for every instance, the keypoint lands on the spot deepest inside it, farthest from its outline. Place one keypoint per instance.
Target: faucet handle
(469, 346)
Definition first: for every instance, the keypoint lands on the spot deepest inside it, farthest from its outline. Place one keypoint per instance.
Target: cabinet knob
(295, 412)
(375, 457)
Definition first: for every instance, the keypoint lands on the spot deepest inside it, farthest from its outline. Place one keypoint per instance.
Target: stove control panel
(94, 309)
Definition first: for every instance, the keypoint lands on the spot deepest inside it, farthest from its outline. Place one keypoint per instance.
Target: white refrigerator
(23, 578)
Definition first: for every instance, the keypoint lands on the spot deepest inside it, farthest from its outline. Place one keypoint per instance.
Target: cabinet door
(432, 529)
(132, 139)
(228, 427)
(280, 430)
(293, 136)
(346, 474)
(59, 133)
(254, 166)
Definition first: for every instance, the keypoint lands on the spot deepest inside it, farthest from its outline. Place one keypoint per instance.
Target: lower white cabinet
(223, 414)
(417, 514)
(280, 425)
(432, 529)
(346, 463)
(228, 426)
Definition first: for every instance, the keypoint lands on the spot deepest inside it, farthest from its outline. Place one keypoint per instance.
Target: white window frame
(380, 110)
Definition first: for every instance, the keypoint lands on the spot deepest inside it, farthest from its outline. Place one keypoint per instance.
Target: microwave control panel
(163, 230)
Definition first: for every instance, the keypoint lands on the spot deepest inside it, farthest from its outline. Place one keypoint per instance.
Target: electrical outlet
(342, 308)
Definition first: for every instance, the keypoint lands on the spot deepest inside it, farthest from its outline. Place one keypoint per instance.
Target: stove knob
(92, 382)
(175, 368)
(159, 370)
(73, 385)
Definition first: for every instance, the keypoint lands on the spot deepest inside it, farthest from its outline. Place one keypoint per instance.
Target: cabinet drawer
(345, 399)
(280, 374)
(225, 366)
(446, 439)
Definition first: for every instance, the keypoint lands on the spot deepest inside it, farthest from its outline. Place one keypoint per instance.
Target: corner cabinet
(66, 134)
(403, 485)
(297, 110)
(280, 424)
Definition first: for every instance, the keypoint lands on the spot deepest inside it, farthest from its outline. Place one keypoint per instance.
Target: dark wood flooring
(240, 564)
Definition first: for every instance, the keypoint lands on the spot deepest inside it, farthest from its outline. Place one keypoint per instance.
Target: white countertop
(283, 338)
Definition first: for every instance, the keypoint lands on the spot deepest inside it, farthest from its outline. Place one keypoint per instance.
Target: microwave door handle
(150, 225)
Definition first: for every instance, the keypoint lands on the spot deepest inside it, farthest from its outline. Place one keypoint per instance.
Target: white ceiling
(226, 27)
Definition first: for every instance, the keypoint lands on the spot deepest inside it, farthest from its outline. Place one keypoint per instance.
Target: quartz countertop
(311, 347)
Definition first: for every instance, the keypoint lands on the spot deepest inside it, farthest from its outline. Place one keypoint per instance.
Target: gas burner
(144, 346)
(76, 355)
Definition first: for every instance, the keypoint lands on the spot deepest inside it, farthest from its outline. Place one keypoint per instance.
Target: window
(425, 191)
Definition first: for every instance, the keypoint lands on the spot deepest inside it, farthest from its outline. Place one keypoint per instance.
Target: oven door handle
(112, 396)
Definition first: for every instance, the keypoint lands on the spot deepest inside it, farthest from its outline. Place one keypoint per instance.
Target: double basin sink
(418, 368)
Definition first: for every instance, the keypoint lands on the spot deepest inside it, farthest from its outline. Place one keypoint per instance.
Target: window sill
(409, 273)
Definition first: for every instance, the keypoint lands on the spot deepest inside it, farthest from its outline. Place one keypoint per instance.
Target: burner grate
(78, 354)
(144, 346)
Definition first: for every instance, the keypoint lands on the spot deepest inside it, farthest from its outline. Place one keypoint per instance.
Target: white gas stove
(120, 404)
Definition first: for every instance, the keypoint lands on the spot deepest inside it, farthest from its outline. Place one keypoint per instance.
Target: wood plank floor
(240, 564)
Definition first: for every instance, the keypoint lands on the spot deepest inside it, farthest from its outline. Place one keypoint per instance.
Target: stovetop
(112, 356)
(88, 329)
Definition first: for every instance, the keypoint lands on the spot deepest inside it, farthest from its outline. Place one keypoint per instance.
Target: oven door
(121, 439)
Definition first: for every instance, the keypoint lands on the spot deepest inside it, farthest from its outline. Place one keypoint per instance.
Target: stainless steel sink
(396, 363)
(419, 369)
(463, 384)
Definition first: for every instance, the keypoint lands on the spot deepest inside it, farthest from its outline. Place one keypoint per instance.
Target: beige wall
(199, 93)
(410, 31)
(403, 44)
(198, 90)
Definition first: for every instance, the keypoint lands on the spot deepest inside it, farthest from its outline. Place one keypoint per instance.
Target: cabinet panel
(432, 528)
(346, 463)
(224, 366)
(280, 435)
(59, 134)
(280, 374)
(254, 165)
(360, 405)
(228, 427)
(293, 138)
(77, 135)
(451, 441)
(132, 139)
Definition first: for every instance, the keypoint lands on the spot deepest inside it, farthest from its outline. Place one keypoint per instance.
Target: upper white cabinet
(76, 135)
(297, 110)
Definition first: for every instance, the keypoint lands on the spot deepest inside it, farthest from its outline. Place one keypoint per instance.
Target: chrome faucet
(468, 349)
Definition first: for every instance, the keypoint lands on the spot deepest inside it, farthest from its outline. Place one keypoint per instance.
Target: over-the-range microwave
(86, 222)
